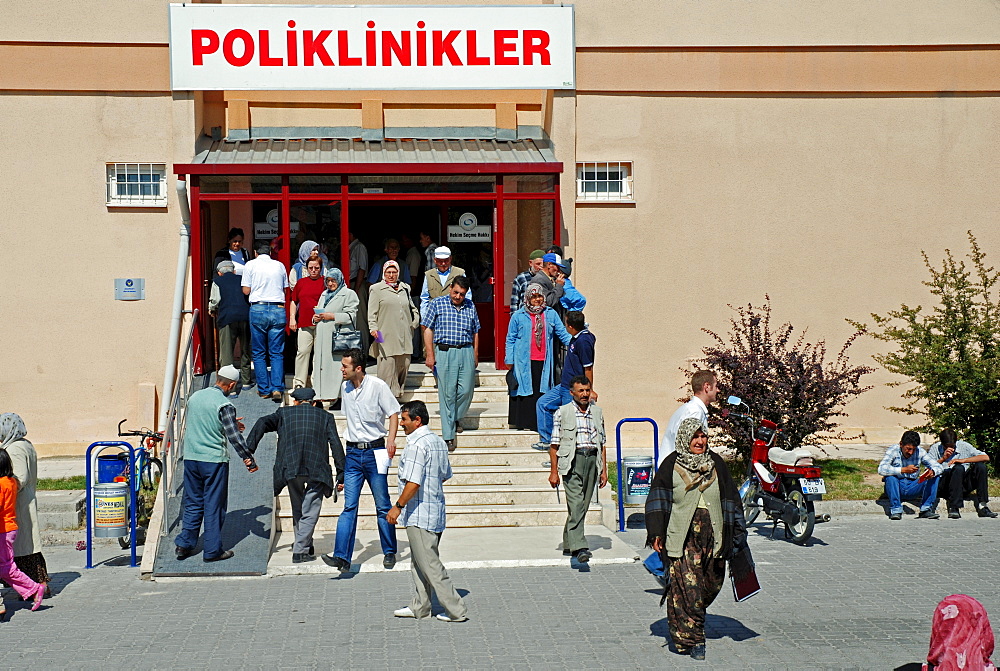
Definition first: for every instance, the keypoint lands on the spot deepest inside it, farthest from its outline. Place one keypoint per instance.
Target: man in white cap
(437, 280)
(211, 422)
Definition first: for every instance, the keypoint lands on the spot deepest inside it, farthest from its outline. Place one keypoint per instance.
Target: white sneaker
(444, 618)
(403, 612)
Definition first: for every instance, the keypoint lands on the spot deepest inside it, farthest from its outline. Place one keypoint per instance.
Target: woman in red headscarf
(961, 636)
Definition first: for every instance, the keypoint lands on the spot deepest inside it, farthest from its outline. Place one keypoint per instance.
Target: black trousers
(961, 480)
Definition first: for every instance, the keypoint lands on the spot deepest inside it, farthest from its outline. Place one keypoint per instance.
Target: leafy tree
(782, 377)
(951, 352)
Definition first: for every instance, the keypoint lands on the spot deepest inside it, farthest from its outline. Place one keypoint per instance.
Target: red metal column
(557, 215)
(499, 286)
(195, 244)
(285, 235)
(345, 252)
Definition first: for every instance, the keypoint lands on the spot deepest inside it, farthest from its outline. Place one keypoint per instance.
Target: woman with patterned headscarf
(694, 519)
(28, 544)
(336, 310)
(961, 636)
(529, 352)
(392, 318)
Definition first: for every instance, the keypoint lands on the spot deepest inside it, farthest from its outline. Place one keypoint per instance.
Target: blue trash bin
(111, 466)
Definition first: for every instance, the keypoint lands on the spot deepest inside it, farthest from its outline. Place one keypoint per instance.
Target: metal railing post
(618, 450)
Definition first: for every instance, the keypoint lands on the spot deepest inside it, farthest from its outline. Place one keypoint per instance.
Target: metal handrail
(618, 449)
(177, 416)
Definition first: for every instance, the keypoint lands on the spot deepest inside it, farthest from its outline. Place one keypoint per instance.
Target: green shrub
(951, 352)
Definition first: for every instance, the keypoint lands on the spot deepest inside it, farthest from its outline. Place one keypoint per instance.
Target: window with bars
(137, 184)
(609, 181)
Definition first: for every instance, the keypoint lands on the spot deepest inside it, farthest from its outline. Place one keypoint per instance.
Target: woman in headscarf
(307, 250)
(529, 351)
(336, 309)
(28, 544)
(694, 519)
(392, 318)
(961, 636)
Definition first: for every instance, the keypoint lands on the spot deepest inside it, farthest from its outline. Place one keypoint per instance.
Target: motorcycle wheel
(750, 495)
(801, 532)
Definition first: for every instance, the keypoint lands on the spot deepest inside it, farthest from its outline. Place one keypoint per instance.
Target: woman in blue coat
(529, 352)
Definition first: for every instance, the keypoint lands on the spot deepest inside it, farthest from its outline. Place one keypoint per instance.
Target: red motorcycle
(783, 483)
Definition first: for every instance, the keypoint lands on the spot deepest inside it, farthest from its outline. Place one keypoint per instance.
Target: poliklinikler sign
(299, 47)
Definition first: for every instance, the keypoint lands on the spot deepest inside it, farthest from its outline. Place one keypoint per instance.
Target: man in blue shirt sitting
(900, 469)
(579, 361)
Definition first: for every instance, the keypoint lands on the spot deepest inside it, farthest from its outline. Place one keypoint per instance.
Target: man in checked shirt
(211, 422)
(577, 453)
(423, 469)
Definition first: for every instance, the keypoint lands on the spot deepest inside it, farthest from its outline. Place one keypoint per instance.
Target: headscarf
(538, 321)
(697, 470)
(391, 264)
(961, 636)
(11, 429)
(305, 249)
(334, 274)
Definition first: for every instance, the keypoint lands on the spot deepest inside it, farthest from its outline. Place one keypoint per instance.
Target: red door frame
(501, 312)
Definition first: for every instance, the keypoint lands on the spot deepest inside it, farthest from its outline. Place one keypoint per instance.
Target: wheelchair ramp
(250, 513)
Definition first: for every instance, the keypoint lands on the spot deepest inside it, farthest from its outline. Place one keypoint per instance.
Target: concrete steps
(520, 515)
(498, 479)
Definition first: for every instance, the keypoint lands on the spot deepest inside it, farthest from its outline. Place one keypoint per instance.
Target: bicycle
(149, 469)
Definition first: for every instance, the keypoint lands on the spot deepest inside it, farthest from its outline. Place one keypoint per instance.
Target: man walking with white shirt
(367, 401)
(423, 469)
(705, 385)
(264, 281)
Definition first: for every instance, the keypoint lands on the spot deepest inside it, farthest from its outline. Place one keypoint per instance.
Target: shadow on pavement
(764, 530)
(716, 627)
(243, 523)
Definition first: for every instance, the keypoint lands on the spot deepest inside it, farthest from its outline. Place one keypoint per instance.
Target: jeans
(361, 468)
(552, 400)
(267, 340)
(897, 488)
(206, 495)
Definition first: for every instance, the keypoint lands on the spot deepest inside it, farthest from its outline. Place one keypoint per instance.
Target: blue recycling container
(111, 466)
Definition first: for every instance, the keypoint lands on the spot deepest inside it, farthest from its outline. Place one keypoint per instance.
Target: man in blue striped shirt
(451, 340)
(423, 469)
(900, 468)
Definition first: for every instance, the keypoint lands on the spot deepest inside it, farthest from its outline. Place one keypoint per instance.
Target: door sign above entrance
(469, 229)
(216, 47)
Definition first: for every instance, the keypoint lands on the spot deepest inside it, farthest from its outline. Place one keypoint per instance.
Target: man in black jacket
(307, 436)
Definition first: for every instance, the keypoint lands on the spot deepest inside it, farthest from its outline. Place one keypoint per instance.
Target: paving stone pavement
(860, 595)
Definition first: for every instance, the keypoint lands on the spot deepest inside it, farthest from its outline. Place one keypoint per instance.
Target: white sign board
(216, 47)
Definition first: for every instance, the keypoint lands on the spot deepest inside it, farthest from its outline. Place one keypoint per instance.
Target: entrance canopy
(351, 156)
(492, 201)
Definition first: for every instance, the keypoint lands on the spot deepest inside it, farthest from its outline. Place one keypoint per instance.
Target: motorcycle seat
(799, 457)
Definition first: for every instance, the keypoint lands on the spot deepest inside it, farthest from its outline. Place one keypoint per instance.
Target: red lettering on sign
(227, 47)
(421, 44)
(502, 44)
(471, 58)
(313, 46)
(265, 48)
(291, 45)
(390, 46)
(536, 42)
(345, 59)
(203, 42)
(444, 47)
(370, 50)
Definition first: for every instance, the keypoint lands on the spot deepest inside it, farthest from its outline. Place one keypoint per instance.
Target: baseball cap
(554, 258)
(442, 252)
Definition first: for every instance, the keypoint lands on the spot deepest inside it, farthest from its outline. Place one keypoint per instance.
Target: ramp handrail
(618, 447)
(177, 414)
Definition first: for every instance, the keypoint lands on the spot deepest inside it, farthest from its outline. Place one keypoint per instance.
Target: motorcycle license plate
(812, 485)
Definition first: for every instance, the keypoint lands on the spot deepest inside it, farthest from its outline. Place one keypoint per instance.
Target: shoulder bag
(346, 337)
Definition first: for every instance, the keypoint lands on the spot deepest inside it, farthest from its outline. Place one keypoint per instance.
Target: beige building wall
(823, 203)
(75, 360)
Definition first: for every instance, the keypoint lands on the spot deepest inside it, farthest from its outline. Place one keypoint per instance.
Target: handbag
(511, 381)
(345, 338)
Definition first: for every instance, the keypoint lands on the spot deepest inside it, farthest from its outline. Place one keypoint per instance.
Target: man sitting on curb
(900, 469)
(964, 472)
